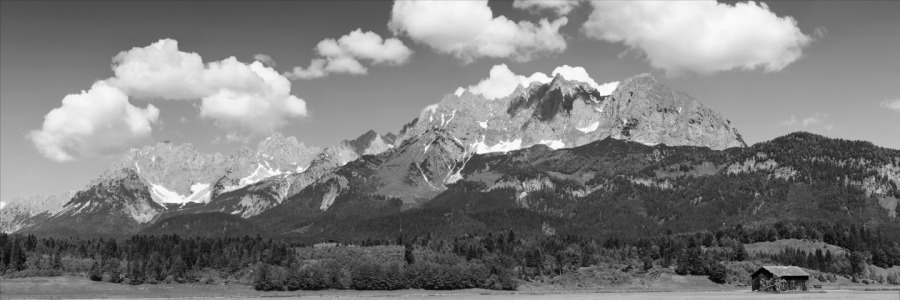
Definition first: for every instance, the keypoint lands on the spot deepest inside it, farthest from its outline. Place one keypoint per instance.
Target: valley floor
(76, 287)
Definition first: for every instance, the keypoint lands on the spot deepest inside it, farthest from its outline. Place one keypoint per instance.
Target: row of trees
(492, 260)
(140, 258)
(372, 275)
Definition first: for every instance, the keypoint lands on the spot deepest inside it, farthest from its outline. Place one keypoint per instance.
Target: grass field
(76, 287)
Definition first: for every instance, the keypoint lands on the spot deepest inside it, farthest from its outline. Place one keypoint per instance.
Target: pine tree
(96, 271)
(408, 254)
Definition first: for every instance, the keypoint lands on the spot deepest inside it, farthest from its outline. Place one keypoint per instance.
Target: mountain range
(550, 158)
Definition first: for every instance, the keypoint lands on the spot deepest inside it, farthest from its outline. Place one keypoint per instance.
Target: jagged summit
(431, 150)
(425, 158)
(370, 143)
(653, 113)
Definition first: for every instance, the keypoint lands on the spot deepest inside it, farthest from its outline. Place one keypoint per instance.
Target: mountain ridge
(423, 160)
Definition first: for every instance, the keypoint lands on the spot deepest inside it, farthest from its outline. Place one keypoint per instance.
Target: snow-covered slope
(180, 174)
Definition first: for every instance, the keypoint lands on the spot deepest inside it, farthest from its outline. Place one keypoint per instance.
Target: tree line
(494, 260)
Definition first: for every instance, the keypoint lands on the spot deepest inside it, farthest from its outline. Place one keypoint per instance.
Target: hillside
(618, 188)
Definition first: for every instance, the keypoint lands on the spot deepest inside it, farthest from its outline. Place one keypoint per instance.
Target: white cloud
(560, 7)
(700, 36)
(254, 114)
(892, 104)
(468, 30)
(160, 71)
(817, 122)
(344, 54)
(265, 59)
(502, 81)
(366, 45)
(244, 99)
(316, 69)
(96, 122)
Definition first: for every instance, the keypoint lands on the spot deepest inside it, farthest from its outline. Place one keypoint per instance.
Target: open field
(75, 287)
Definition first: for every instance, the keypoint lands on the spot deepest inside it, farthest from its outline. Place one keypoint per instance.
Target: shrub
(717, 273)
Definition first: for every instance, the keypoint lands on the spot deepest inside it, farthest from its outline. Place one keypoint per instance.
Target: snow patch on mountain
(200, 193)
(453, 178)
(261, 172)
(553, 144)
(502, 146)
(589, 128)
(453, 114)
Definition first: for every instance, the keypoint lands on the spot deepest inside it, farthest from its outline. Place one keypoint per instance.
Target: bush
(269, 278)
(717, 273)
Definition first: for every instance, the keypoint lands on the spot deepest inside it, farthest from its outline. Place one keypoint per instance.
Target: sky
(81, 82)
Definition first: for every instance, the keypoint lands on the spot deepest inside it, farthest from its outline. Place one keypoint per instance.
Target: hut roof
(782, 271)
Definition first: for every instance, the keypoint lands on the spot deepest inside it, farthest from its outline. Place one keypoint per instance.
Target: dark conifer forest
(498, 260)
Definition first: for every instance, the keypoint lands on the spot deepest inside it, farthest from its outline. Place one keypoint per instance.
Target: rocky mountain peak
(564, 85)
(652, 113)
(369, 143)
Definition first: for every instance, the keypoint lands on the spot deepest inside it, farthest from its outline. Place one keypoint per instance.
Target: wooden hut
(780, 279)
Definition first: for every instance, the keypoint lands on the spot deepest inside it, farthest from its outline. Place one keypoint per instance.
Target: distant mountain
(165, 180)
(113, 206)
(25, 211)
(551, 158)
(430, 151)
(179, 174)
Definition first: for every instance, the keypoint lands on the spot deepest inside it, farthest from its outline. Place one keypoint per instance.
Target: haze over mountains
(556, 154)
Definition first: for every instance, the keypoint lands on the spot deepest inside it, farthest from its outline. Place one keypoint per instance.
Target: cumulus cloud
(560, 7)
(160, 71)
(468, 30)
(96, 122)
(246, 100)
(262, 112)
(817, 122)
(702, 37)
(502, 81)
(344, 54)
(892, 104)
(265, 59)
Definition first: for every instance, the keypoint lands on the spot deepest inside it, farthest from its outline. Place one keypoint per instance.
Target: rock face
(431, 151)
(165, 179)
(567, 114)
(259, 197)
(115, 206)
(560, 114)
(26, 211)
(651, 113)
(179, 174)
(375, 171)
